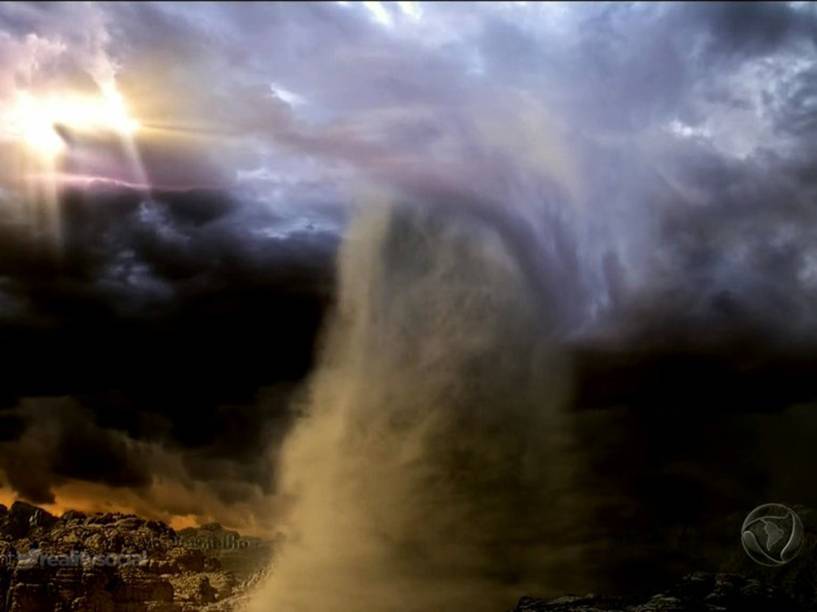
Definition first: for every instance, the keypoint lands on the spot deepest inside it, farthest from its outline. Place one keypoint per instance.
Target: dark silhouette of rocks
(108, 562)
(698, 592)
(22, 518)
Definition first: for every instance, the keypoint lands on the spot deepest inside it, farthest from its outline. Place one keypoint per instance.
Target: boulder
(188, 559)
(22, 518)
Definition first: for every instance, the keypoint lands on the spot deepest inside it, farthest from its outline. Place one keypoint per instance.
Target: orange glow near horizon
(96, 498)
(63, 503)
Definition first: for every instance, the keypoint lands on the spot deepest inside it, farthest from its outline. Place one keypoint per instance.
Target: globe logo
(772, 535)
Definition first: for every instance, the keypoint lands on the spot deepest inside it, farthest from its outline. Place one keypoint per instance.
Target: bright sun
(34, 119)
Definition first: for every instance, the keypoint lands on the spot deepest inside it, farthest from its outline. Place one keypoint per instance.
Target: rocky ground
(122, 563)
(119, 563)
(699, 592)
(732, 582)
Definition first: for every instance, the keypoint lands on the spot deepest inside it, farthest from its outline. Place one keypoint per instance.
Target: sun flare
(34, 120)
(42, 129)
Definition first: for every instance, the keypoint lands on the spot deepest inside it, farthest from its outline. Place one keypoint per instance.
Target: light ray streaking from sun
(39, 125)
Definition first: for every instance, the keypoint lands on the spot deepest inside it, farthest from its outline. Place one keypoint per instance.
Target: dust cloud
(434, 464)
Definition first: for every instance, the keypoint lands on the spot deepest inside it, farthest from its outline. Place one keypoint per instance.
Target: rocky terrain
(112, 562)
(118, 563)
(698, 592)
(731, 581)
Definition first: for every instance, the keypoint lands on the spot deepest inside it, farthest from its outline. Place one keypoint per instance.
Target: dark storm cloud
(740, 31)
(741, 258)
(162, 317)
(129, 252)
(62, 441)
(63, 444)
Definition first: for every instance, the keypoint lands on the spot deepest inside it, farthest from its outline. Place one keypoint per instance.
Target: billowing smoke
(434, 464)
(129, 377)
